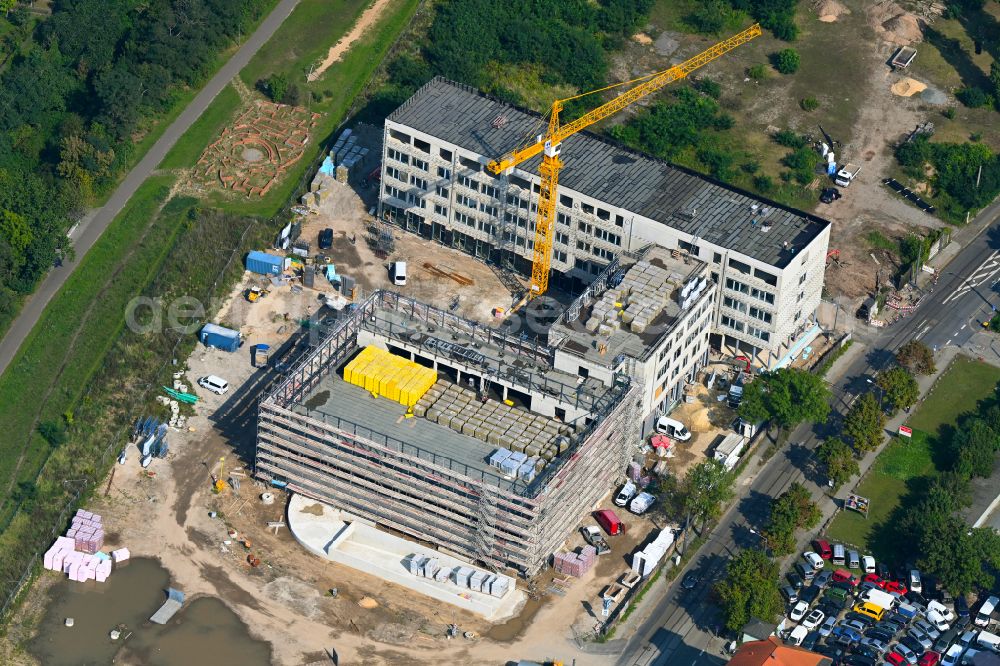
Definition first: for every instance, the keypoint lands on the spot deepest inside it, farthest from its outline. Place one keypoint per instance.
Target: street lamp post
(881, 393)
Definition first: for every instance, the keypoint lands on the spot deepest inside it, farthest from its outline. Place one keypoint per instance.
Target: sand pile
(908, 87)
(642, 38)
(830, 10)
(894, 24)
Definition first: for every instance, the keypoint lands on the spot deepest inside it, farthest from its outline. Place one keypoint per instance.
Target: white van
(798, 635)
(839, 557)
(868, 564)
(214, 384)
(985, 614)
(672, 428)
(989, 641)
(915, 584)
(399, 273)
(625, 494)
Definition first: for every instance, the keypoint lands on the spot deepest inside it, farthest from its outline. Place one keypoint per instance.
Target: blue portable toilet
(264, 263)
(226, 339)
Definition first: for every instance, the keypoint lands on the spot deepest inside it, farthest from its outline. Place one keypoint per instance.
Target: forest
(77, 93)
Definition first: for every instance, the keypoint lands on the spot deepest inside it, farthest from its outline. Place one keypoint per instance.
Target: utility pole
(979, 176)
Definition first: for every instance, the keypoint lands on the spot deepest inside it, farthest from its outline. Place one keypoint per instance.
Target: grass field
(189, 147)
(905, 467)
(75, 332)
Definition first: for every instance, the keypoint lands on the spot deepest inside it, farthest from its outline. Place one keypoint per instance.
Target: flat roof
(620, 338)
(353, 409)
(601, 168)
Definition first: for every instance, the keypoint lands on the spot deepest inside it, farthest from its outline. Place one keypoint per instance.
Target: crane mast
(549, 146)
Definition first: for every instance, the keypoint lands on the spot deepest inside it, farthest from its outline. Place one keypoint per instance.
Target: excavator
(549, 145)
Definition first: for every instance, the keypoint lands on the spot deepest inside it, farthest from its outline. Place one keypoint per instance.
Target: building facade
(767, 260)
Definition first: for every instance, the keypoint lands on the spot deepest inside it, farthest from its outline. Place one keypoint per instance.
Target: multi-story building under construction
(767, 260)
(428, 474)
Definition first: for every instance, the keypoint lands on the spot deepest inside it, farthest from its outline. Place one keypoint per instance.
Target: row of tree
(76, 94)
(966, 175)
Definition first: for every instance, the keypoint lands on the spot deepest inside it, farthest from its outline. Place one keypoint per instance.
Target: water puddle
(204, 631)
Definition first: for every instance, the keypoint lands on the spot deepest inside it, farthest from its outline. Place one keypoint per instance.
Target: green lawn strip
(337, 90)
(958, 390)
(204, 131)
(194, 255)
(77, 327)
(303, 39)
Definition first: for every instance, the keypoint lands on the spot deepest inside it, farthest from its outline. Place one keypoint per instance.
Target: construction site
(441, 468)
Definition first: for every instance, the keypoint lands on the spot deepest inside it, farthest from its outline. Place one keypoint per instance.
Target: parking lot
(859, 612)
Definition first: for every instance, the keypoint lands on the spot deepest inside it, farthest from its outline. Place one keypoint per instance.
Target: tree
(786, 61)
(916, 357)
(708, 16)
(975, 444)
(706, 486)
(787, 396)
(957, 554)
(839, 460)
(757, 72)
(864, 423)
(791, 511)
(7, 5)
(749, 589)
(277, 87)
(901, 389)
(53, 432)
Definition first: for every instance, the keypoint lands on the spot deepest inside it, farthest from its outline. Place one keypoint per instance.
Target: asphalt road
(94, 224)
(681, 630)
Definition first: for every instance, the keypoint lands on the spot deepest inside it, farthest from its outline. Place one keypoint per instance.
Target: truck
(847, 174)
(736, 389)
(728, 451)
(592, 535)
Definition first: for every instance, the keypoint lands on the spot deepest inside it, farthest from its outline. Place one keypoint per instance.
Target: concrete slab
(326, 532)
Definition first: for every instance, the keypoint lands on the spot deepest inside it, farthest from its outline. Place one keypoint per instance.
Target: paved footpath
(94, 224)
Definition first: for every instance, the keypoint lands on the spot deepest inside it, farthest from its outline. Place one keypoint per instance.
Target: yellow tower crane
(549, 144)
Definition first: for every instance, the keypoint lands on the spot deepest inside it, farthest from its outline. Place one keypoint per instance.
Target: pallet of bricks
(575, 564)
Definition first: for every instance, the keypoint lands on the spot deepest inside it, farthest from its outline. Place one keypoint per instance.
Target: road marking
(963, 327)
(947, 342)
(922, 331)
(984, 272)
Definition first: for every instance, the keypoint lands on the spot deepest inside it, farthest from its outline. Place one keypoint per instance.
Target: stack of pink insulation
(78, 553)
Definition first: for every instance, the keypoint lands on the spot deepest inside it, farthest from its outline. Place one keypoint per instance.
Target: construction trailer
(425, 470)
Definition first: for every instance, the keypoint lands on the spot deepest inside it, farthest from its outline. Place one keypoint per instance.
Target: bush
(790, 139)
(763, 184)
(809, 104)
(709, 17)
(757, 72)
(751, 167)
(949, 113)
(709, 87)
(53, 432)
(974, 97)
(786, 61)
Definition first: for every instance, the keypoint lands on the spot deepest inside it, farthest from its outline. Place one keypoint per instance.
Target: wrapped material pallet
(394, 377)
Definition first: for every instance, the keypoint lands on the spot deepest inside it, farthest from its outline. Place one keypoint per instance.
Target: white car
(799, 611)
(941, 609)
(915, 584)
(798, 635)
(214, 384)
(814, 619)
(626, 494)
(813, 559)
(935, 618)
(953, 657)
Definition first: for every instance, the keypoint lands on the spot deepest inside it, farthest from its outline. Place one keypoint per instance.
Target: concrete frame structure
(468, 510)
(768, 260)
(664, 358)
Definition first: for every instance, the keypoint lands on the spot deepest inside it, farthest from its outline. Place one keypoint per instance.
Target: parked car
(915, 582)
(930, 658)
(809, 594)
(850, 632)
(829, 623)
(920, 638)
(880, 635)
(985, 614)
(866, 650)
(790, 594)
(895, 659)
(882, 569)
(325, 239)
(857, 660)
(794, 579)
(813, 559)
(872, 578)
(823, 578)
(627, 492)
(927, 628)
(592, 535)
(811, 639)
(893, 587)
(962, 606)
(844, 576)
(953, 656)
(823, 548)
(813, 619)
(797, 635)
(641, 503)
(875, 644)
(855, 624)
(906, 652)
(798, 611)
(214, 384)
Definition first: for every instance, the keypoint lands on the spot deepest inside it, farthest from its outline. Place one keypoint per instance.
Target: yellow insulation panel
(391, 376)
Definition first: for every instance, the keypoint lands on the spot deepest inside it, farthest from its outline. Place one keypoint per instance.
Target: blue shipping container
(213, 335)
(264, 263)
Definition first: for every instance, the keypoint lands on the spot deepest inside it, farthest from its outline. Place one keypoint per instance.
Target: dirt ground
(165, 512)
(338, 50)
(707, 418)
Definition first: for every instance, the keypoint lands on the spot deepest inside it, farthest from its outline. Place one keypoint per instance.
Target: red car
(895, 658)
(844, 576)
(823, 548)
(929, 659)
(892, 586)
(872, 578)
